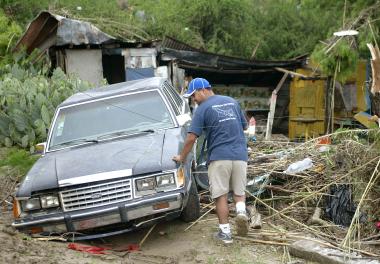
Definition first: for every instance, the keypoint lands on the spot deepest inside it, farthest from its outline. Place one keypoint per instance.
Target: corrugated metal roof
(65, 31)
(171, 43)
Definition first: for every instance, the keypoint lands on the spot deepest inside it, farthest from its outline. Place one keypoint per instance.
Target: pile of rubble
(327, 187)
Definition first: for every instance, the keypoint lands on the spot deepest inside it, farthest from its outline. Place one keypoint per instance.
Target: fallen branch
(199, 218)
(146, 236)
(262, 241)
(316, 218)
(277, 188)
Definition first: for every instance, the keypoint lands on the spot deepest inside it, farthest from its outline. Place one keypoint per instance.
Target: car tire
(192, 210)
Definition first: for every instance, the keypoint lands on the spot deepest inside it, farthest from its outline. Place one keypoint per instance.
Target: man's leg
(219, 174)
(240, 203)
(239, 198)
(238, 181)
(222, 209)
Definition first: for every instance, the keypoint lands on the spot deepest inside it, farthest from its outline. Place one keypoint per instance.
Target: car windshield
(128, 114)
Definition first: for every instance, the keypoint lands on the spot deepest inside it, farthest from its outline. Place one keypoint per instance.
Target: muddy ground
(167, 243)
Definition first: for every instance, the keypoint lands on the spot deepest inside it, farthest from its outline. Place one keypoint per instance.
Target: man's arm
(242, 115)
(243, 119)
(189, 143)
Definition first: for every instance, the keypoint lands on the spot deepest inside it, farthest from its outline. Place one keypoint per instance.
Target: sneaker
(223, 237)
(241, 222)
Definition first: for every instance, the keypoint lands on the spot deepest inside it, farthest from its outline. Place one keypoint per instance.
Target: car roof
(114, 89)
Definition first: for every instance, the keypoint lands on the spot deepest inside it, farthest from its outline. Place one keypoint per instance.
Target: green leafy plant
(19, 159)
(27, 102)
(340, 60)
(10, 31)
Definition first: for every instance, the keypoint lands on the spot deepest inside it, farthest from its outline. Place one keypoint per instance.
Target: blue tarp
(138, 73)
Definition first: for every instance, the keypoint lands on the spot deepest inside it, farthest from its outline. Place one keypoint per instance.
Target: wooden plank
(314, 251)
(291, 72)
(375, 63)
(272, 107)
(255, 50)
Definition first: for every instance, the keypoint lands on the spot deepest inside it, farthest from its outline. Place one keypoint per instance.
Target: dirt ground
(167, 243)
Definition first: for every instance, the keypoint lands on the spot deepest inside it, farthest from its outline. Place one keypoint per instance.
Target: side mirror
(40, 148)
(183, 119)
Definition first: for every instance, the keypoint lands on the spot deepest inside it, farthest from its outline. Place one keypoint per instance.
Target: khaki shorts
(226, 175)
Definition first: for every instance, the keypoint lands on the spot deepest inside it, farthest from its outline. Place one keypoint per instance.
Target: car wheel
(192, 210)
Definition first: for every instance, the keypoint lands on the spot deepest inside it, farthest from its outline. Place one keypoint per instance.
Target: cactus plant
(27, 103)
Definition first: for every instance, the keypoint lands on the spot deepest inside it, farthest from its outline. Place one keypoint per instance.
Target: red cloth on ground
(88, 249)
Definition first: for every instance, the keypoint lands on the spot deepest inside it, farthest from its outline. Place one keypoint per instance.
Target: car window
(133, 112)
(177, 98)
(172, 102)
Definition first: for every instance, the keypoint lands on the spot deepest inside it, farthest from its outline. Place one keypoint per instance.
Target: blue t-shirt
(223, 121)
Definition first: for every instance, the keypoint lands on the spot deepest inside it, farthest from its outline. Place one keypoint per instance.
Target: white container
(252, 127)
(299, 166)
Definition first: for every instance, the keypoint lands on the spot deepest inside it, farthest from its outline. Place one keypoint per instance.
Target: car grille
(95, 195)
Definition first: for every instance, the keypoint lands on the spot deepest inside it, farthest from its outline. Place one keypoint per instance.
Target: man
(223, 122)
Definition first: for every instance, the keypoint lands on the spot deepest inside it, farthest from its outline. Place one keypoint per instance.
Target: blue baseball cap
(196, 84)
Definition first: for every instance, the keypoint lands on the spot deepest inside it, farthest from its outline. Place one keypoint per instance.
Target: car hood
(140, 154)
(131, 155)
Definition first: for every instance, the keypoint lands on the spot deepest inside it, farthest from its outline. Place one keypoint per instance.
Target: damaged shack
(80, 48)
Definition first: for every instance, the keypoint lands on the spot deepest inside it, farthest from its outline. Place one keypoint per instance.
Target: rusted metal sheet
(77, 32)
(44, 25)
(65, 31)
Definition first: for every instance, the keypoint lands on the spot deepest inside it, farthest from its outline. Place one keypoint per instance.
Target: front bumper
(137, 213)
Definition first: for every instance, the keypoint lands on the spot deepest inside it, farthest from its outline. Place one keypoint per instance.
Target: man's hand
(178, 158)
(189, 142)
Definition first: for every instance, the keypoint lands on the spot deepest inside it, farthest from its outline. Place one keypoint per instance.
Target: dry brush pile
(336, 199)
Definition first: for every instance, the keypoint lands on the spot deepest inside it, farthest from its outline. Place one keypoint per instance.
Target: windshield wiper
(125, 133)
(79, 140)
(147, 131)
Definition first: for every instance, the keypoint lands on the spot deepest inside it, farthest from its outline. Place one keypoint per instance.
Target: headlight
(158, 183)
(146, 184)
(49, 201)
(31, 204)
(165, 180)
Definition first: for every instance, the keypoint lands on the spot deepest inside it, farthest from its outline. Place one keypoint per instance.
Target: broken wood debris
(313, 251)
(8, 186)
(375, 66)
(302, 201)
(195, 222)
(146, 236)
(272, 107)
